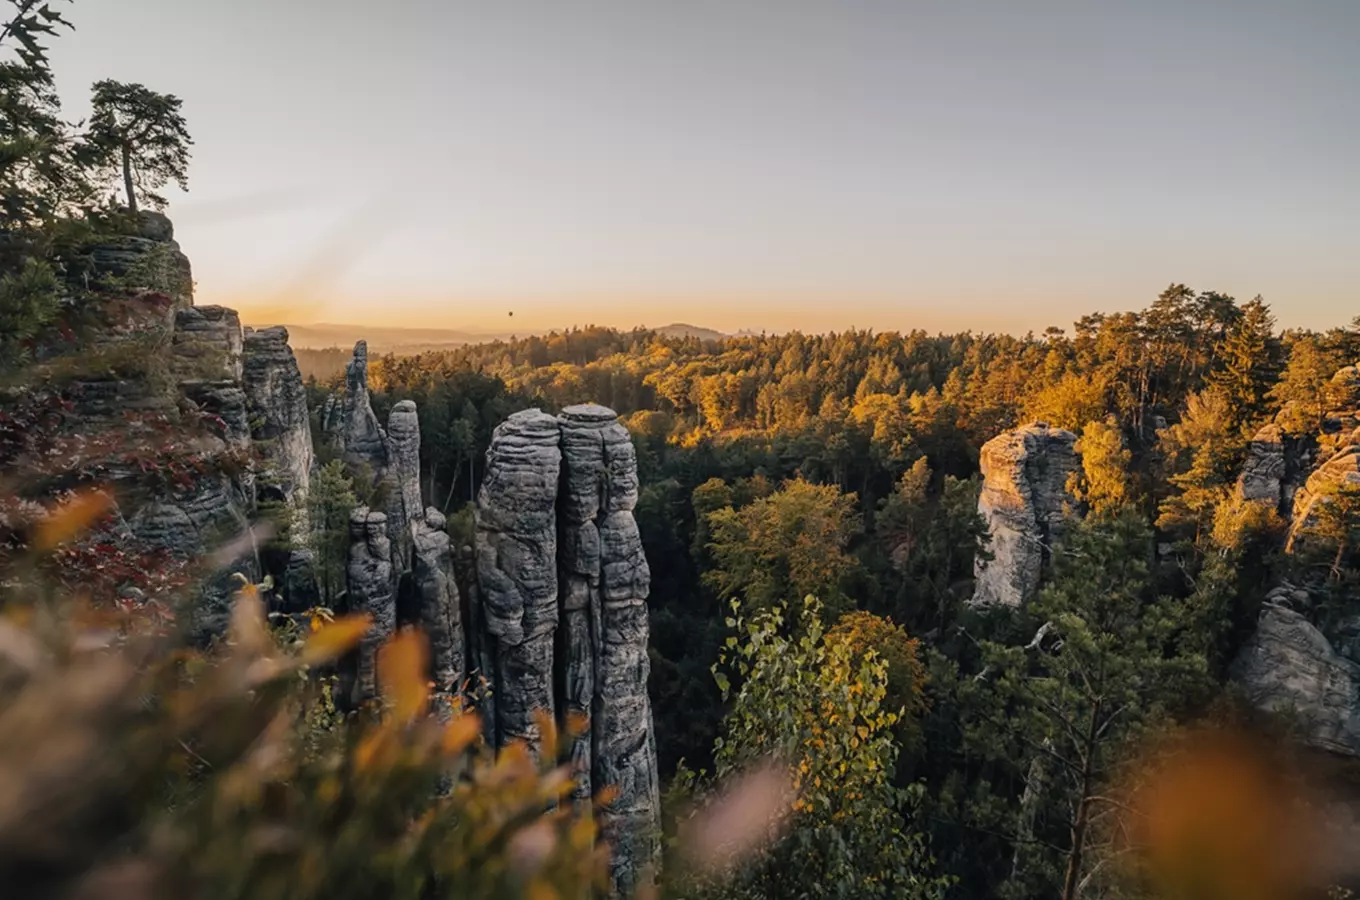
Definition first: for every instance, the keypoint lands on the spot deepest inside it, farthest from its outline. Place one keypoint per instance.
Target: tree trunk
(1071, 883)
(127, 176)
(453, 483)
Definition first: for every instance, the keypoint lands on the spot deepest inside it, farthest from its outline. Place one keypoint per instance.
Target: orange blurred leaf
(577, 722)
(403, 664)
(461, 732)
(369, 749)
(606, 795)
(332, 640)
(71, 518)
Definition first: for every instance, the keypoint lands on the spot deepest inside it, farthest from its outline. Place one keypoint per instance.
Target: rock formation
(1340, 470)
(1299, 659)
(1263, 473)
(207, 347)
(368, 575)
(561, 616)
(150, 259)
(280, 424)
(364, 443)
(605, 583)
(208, 343)
(1025, 503)
(440, 608)
(1290, 666)
(401, 478)
(517, 573)
(556, 615)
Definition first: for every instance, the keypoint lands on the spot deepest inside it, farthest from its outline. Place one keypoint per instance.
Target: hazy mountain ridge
(324, 335)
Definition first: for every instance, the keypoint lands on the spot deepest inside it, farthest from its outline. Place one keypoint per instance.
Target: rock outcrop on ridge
(1339, 472)
(150, 258)
(1299, 659)
(200, 419)
(1289, 666)
(1025, 503)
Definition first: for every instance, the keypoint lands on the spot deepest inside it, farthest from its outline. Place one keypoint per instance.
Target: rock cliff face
(236, 403)
(207, 345)
(150, 258)
(1025, 503)
(1290, 666)
(1263, 474)
(277, 402)
(1341, 470)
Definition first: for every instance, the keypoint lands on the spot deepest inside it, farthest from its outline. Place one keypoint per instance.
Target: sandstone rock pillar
(368, 572)
(517, 573)
(1025, 503)
(605, 585)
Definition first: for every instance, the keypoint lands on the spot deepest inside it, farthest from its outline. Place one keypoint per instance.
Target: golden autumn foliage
(135, 765)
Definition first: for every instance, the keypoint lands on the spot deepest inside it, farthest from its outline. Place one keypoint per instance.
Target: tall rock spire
(605, 584)
(562, 613)
(364, 443)
(517, 571)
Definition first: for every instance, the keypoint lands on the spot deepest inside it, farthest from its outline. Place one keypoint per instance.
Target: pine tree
(1302, 392)
(1105, 666)
(330, 502)
(141, 135)
(1248, 359)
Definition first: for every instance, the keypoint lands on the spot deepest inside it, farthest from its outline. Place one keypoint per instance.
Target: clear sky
(987, 164)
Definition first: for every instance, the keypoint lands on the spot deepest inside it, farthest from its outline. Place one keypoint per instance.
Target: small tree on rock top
(140, 133)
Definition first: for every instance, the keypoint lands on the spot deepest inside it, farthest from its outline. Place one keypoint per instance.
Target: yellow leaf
(403, 664)
(71, 518)
(247, 629)
(461, 732)
(331, 641)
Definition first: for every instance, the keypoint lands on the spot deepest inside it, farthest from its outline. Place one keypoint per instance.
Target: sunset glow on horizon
(766, 165)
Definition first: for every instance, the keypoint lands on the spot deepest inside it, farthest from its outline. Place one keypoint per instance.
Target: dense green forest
(845, 466)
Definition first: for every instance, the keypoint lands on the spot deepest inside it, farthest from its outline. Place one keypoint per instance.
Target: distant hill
(384, 339)
(681, 330)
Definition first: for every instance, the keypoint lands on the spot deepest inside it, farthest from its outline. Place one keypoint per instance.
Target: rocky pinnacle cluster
(556, 624)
